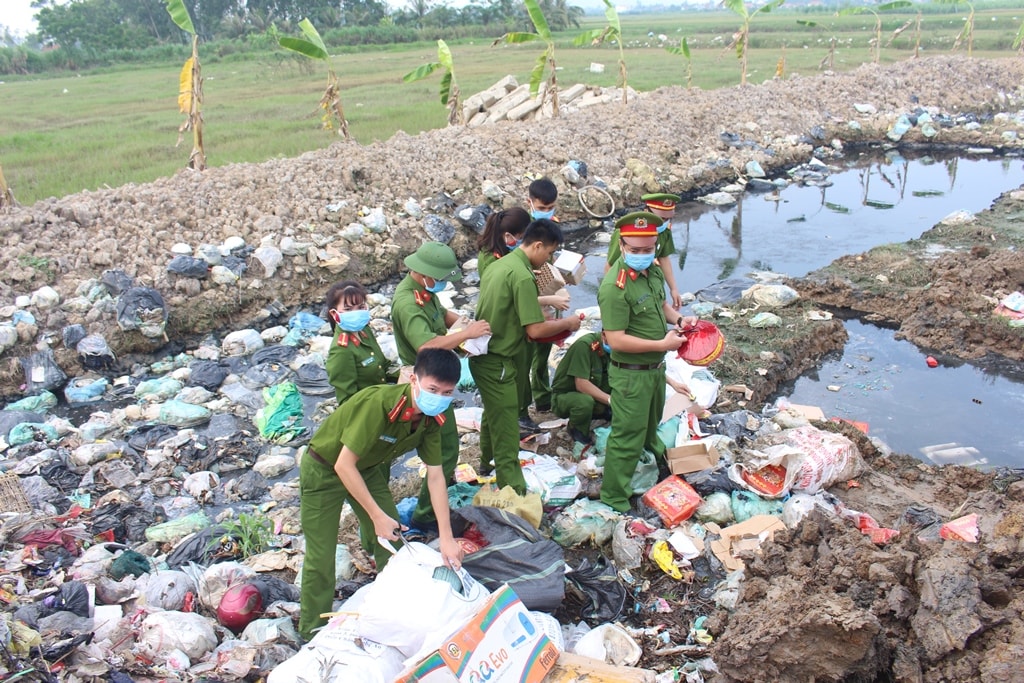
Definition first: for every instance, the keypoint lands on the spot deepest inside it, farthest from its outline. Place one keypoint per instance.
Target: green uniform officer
(355, 360)
(421, 322)
(662, 205)
(634, 313)
(348, 458)
(580, 389)
(508, 301)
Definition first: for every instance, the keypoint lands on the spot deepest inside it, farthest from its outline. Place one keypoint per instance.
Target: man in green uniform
(508, 301)
(343, 462)
(421, 322)
(634, 314)
(580, 389)
(662, 205)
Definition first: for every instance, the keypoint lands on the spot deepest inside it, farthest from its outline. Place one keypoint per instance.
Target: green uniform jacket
(665, 246)
(632, 302)
(376, 425)
(508, 301)
(583, 360)
(351, 366)
(485, 258)
(417, 317)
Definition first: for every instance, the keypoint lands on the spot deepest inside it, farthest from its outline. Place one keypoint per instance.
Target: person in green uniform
(662, 205)
(355, 360)
(580, 389)
(508, 301)
(634, 314)
(542, 197)
(502, 234)
(347, 460)
(421, 322)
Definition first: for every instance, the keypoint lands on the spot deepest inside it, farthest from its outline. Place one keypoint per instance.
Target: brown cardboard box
(692, 457)
(572, 266)
(744, 536)
(810, 412)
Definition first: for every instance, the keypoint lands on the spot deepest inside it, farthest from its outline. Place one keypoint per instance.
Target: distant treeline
(89, 33)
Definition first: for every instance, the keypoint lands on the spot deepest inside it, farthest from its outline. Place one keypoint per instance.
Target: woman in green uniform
(355, 360)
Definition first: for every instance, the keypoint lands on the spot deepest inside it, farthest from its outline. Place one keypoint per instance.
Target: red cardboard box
(673, 499)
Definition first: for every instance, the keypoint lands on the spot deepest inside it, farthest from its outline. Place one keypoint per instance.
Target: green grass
(119, 124)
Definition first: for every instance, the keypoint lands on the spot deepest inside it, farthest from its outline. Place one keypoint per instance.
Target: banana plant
(966, 34)
(612, 31)
(683, 50)
(449, 86)
(547, 58)
(6, 196)
(876, 12)
(1018, 41)
(917, 33)
(741, 39)
(190, 87)
(312, 46)
(830, 57)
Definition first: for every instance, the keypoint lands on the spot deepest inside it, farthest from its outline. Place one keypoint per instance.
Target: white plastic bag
(701, 382)
(218, 578)
(408, 609)
(242, 342)
(166, 589)
(189, 632)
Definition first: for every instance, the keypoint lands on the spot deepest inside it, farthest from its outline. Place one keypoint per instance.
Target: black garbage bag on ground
(127, 521)
(708, 481)
(72, 334)
(11, 418)
(600, 583)
(725, 291)
(142, 309)
(311, 379)
(266, 374)
(203, 548)
(473, 217)
(58, 475)
(208, 374)
(273, 589)
(277, 353)
(235, 264)
(144, 437)
(116, 281)
(516, 554)
(189, 266)
(42, 373)
(94, 353)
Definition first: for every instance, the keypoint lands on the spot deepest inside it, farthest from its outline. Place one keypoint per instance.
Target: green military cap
(639, 224)
(661, 200)
(435, 260)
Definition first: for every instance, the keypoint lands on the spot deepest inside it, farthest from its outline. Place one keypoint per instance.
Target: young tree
(546, 59)
(6, 196)
(190, 87)
(1018, 40)
(967, 32)
(449, 87)
(741, 39)
(312, 46)
(613, 31)
(877, 43)
(683, 50)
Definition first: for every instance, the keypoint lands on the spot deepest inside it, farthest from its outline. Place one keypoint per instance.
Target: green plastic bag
(39, 403)
(746, 504)
(646, 474)
(280, 420)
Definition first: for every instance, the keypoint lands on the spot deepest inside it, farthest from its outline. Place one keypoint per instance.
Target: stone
(491, 190)
(271, 466)
(754, 169)
(865, 108)
(223, 275)
(181, 248)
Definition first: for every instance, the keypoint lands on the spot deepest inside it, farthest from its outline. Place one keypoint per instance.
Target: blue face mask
(664, 226)
(607, 349)
(638, 262)
(537, 215)
(353, 321)
(432, 404)
(438, 286)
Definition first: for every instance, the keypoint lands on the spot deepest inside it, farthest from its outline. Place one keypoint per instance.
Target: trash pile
(150, 521)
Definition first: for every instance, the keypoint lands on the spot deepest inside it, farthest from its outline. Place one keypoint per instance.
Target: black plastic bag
(207, 374)
(473, 217)
(708, 481)
(201, 548)
(277, 353)
(516, 554)
(72, 334)
(42, 373)
(116, 281)
(311, 379)
(142, 309)
(144, 437)
(601, 584)
(189, 266)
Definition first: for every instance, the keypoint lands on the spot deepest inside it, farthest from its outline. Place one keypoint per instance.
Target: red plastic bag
(704, 343)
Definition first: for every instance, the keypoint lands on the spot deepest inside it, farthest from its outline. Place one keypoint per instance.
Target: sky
(17, 15)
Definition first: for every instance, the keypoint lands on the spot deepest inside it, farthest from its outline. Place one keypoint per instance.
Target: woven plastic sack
(704, 343)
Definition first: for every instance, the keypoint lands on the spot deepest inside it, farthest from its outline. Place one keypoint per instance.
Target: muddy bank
(346, 209)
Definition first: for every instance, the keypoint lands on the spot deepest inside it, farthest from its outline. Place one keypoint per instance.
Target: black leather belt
(638, 366)
(316, 456)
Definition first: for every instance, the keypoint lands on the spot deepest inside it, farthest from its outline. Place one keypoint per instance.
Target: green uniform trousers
(638, 399)
(579, 408)
(540, 375)
(321, 496)
(524, 363)
(424, 511)
(495, 377)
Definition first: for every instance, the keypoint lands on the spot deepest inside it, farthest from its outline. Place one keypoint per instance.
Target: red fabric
(43, 538)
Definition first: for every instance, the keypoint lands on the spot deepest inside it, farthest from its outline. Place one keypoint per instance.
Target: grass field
(69, 133)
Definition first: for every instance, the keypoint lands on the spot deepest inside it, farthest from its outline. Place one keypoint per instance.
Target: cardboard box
(673, 499)
(501, 644)
(809, 412)
(692, 457)
(572, 266)
(745, 536)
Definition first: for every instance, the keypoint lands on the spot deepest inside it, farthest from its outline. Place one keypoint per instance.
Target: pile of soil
(822, 602)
